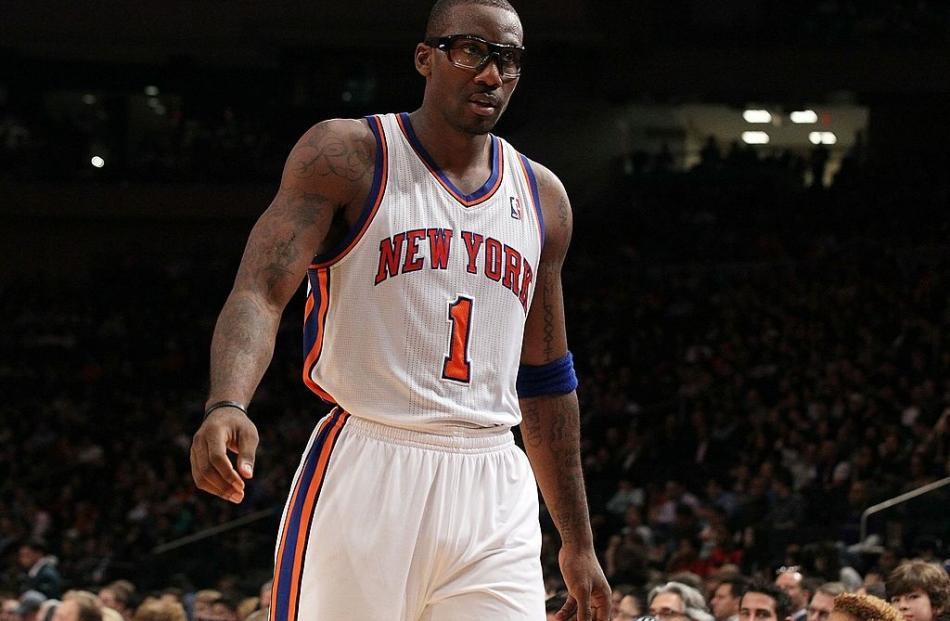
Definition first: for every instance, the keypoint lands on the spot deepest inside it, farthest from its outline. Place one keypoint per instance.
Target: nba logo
(515, 208)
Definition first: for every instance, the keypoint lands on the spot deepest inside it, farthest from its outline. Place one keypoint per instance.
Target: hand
(225, 429)
(587, 588)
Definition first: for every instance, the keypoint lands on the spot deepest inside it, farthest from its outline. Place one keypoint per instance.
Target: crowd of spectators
(761, 360)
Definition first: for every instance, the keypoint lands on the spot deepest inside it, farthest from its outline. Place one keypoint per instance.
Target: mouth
(483, 104)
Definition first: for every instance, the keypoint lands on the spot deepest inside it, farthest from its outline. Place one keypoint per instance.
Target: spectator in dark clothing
(40, 569)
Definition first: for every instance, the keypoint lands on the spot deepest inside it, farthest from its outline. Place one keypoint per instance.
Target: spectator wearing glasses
(920, 591)
(765, 602)
(792, 581)
(823, 601)
(675, 601)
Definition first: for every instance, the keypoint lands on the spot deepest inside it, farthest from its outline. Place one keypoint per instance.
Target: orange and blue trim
(373, 200)
(298, 520)
(314, 326)
(535, 195)
(477, 197)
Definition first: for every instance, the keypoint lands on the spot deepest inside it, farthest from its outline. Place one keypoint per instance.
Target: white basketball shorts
(386, 524)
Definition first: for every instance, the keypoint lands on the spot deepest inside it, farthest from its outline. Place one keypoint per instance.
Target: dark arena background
(757, 289)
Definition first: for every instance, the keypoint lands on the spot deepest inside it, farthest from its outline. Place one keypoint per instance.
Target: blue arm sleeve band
(554, 378)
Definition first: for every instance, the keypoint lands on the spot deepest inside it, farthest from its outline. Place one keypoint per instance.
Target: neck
(452, 149)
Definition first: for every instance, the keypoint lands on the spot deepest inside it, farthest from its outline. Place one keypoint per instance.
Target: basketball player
(434, 322)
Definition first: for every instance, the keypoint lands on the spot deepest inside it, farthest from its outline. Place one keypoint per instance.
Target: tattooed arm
(551, 424)
(325, 180)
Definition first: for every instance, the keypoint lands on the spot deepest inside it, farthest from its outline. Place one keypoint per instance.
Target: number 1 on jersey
(457, 366)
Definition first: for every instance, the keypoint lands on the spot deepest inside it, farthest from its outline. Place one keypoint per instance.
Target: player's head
(469, 79)
(764, 601)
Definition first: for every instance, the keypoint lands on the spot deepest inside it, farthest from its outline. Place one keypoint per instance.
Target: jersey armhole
(370, 207)
(535, 195)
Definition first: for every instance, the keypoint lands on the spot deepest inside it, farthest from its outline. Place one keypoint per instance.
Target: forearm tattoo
(551, 433)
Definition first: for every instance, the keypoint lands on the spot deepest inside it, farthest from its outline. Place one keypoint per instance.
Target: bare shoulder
(335, 157)
(556, 207)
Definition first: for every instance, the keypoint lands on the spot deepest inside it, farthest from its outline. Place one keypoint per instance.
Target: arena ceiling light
(757, 116)
(822, 138)
(97, 161)
(804, 116)
(755, 138)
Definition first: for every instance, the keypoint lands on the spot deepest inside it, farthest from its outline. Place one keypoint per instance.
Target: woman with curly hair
(860, 607)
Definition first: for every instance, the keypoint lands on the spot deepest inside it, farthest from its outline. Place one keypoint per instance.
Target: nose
(490, 74)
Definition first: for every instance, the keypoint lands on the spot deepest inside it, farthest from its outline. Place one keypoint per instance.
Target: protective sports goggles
(473, 53)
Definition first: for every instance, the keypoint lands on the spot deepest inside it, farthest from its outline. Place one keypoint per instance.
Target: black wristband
(224, 404)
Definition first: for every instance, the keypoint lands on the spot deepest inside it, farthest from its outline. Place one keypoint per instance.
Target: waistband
(483, 440)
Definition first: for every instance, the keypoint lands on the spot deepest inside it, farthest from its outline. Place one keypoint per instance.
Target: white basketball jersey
(416, 319)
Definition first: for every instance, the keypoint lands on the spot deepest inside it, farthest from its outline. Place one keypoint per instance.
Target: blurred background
(757, 291)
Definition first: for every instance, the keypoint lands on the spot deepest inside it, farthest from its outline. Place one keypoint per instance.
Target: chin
(480, 129)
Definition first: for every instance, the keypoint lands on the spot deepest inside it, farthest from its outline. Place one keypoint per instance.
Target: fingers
(247, 449)
(600, 602)
(211, 468)
(583, 605)
(218, 457)
(567, 610)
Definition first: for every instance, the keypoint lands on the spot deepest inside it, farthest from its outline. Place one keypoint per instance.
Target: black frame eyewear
(495, 51)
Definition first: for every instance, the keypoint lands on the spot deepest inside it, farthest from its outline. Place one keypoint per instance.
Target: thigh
(349, 544)
(495, 571)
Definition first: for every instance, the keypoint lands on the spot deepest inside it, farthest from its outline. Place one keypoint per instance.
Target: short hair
(866, 607)
(783, 603)
(123, 589)
(737, 584)
(439, 15)
(207, 596)
(624, 589)
(89, 607)
(918, 574)
(832, 589)
(693, 601)
(228, 602)
(36, 544)
(160, 610)
(688, 578)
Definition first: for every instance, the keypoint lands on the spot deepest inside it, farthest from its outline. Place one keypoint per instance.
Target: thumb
(247, 450)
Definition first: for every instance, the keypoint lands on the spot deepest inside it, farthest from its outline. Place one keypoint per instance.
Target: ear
(423, 59)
